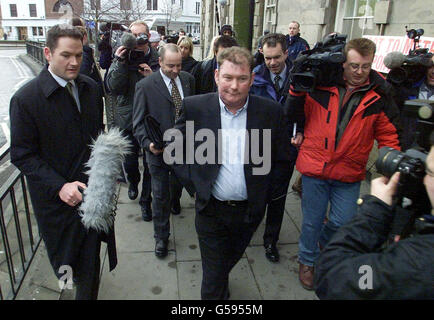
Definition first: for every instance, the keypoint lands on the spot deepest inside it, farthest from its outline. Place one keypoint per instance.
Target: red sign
(386, 44)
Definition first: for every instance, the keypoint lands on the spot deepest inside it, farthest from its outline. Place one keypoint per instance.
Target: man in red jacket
(340, 126)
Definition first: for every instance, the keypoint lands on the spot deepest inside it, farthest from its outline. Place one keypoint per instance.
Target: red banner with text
(386, 44)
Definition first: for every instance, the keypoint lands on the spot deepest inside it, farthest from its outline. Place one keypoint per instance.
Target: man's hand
(144, 69)
(70, 193)
(298, 140)
(384, 188)
(153, 150)
(121, 52)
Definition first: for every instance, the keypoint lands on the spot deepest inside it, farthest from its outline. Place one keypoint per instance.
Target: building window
(181, 3)
(13, 8)
(40, 31)
(358, 18)
(270, 15)
(95, 4)
(152, 5)
(34, 31)
(125, 4)
(32, 10)
(197, 7)
(173, 1)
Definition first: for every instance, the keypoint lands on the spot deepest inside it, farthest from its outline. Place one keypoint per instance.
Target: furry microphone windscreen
(105, 164)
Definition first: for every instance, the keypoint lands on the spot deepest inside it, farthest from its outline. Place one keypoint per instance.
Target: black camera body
(414, 65)
(413, 68)
(411, 193)
(320, 66)
(172, 39)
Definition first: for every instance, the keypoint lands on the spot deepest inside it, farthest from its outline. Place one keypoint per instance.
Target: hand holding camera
(384, 188)
(144, 69)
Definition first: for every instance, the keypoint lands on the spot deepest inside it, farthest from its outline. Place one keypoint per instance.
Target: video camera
(320, 66)
(411, 194)
(106, 31)
(172, 38)
(408, 70)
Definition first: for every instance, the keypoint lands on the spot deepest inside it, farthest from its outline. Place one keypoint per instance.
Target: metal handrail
(36, 51)
(19, 243)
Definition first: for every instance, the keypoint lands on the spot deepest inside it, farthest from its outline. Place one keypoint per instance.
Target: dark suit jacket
(262, 114)
(152, 97)
(50, 142)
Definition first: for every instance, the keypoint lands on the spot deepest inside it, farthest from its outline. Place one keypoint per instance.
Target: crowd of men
(326, 134)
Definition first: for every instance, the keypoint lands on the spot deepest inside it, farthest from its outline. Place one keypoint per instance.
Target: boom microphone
(128, 41)
(394, 59)
(105, 163)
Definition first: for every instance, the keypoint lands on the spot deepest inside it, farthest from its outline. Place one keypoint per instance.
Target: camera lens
(388, 161)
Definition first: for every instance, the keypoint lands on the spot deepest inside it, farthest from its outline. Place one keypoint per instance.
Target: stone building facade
(317, 18)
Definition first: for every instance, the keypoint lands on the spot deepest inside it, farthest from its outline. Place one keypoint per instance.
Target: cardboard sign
(386, 44)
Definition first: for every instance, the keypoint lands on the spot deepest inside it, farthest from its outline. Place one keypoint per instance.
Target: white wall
(23, 9)
(23, 19)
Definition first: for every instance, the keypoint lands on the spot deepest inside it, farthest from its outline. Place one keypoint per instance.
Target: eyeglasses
(429, 172)
(365, 67)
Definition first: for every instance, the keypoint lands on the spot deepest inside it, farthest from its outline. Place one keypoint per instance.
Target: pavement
(140, 275)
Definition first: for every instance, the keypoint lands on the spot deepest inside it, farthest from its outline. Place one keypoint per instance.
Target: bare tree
(122, 11)
(171, 11)
(99, 10)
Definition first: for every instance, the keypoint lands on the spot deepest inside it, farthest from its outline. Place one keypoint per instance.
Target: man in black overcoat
(54, 118)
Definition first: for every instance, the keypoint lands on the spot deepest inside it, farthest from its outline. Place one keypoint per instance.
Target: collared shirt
(282, 77)
(426, 92)
(231, 183)
(168, 83)
(62, 82)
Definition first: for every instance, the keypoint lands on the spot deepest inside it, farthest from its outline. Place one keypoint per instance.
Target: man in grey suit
(160, 95)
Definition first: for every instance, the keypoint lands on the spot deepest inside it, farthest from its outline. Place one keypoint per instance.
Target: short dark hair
(236, 55)
(272, 39)
(226, 27)
(76, 21)
(363, 46)
(59, 31)
(225, 42)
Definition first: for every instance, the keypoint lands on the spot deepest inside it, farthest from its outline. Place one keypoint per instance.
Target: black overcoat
(50, 142)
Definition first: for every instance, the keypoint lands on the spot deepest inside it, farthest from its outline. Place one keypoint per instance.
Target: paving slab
(40, 282)
(242, 284)
(278, 281)
(288, 233)
(140, 276)
(184, 233)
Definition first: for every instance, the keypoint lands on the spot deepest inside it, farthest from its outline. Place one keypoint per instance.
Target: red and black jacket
(338, 139)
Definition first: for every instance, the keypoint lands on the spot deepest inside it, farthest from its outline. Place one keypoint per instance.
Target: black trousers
(276, 207)
(131, 165)
(223, 238)
(88, 268)
(166, 189)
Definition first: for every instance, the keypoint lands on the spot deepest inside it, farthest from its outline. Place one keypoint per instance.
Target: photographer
(134, 60)
(403, 270)
(342, 118)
